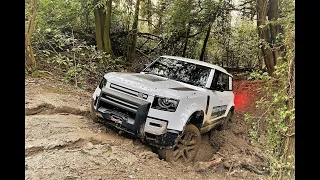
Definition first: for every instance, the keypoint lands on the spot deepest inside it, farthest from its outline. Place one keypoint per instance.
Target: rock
(63, 113)
(131, 176)
(89, 146)
(148, 155)
(202, 166)
(98, 177)
(227, 164)
(189, 168)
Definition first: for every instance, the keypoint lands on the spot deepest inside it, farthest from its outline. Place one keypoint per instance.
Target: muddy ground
(62, 142)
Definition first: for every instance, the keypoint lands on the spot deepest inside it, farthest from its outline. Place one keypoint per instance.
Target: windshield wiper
(155, 74)
(150, 73)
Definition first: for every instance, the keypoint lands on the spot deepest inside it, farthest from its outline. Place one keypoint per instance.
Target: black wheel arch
(232, 110)
(196, 119)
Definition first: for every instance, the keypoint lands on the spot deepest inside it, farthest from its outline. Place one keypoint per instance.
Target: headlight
(103, 83)
(165, 104)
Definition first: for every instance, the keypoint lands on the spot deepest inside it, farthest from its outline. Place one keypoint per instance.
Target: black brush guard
(122, 111)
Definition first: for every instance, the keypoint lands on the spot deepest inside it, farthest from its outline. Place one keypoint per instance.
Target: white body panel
(191, 98)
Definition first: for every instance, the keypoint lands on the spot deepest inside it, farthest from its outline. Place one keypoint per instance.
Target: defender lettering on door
(218, 111)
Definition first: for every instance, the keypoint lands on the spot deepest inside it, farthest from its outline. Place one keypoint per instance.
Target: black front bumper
(132, 113)
(122, 111)
(165, 140)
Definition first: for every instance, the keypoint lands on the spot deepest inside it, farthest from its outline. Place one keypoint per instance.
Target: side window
(222, 79)
(225, 80)
(216, 78)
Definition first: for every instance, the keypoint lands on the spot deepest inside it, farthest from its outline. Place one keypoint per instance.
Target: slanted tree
(186, 40)
(205, 42)
(30, 63)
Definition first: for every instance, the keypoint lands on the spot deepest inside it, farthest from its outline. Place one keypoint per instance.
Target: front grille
(129, 91)
(126, 111)
(120, 105)
(121, 111)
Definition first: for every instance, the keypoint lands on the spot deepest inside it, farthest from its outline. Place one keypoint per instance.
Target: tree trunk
(186, 42)
(134, 31)
(149, 15)
(98, 29)
(30, 63)
(107, 27)
(162, 7)
(264, 34)
(273, 15)
(205, 42)
(102, 27)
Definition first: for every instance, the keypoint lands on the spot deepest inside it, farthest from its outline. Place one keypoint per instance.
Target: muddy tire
(186, 148)
(225, 122)
(93, 115)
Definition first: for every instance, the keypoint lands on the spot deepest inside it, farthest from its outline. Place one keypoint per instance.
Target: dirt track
(61, 142)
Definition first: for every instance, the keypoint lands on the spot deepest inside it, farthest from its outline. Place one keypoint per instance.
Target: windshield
(182, 71)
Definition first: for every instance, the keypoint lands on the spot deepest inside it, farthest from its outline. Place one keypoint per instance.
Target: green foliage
(277, 116)
(278, 103)
(239, 41)
(35, 74)
(65, 14)
(243, 43)
(253, 130)
(73, 57)
(259, 75)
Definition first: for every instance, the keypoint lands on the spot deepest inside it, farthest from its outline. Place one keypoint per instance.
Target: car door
(227, 95)
(217, 102)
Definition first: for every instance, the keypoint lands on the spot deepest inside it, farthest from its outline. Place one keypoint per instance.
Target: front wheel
(93, 115)
(186, 148)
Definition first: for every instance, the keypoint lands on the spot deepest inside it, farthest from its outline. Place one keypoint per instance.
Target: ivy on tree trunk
(268, 31)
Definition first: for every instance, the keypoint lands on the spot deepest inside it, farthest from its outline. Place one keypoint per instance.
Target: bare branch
(150, 23)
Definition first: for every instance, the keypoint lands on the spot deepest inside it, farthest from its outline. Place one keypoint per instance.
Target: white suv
(168, 105)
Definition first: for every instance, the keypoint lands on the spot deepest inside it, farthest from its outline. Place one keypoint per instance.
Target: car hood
(153, 85)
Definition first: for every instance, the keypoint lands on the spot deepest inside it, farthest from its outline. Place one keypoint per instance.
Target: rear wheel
(186, 148)
(225, 122)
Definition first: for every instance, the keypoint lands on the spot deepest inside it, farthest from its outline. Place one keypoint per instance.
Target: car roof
(195, 61)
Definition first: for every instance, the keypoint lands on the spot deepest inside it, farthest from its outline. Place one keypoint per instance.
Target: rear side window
(226, 80)
(220, 77)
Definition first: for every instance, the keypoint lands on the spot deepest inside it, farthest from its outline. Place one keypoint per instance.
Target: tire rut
(46, 108)
(70, 145)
